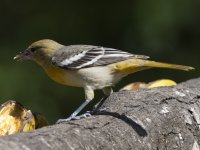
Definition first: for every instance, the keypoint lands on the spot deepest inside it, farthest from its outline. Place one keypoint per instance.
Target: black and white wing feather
(83, 56)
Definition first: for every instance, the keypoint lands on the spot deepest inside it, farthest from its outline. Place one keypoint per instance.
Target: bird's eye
(33, 49)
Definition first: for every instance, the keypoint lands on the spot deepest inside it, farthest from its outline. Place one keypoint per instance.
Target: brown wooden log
(158, 118)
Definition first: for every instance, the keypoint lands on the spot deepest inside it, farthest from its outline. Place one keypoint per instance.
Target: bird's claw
(85, 115)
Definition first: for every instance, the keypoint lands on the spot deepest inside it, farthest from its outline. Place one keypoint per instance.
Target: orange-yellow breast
(62, 76)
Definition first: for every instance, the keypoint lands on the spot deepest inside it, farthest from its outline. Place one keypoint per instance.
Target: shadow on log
(159, 118)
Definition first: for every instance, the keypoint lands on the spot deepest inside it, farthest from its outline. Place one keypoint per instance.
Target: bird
(87, 66)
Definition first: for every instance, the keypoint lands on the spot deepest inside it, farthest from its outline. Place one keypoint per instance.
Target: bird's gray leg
(107, 92)
(89, 95)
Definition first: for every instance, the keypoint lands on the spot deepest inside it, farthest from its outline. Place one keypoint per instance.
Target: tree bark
(158, 118)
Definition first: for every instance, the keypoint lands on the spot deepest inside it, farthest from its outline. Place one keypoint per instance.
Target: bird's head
(39, 51)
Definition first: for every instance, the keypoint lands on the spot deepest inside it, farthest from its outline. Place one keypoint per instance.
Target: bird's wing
(83, 56)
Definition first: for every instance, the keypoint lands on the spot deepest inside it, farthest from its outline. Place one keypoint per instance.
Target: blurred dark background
(167, 31)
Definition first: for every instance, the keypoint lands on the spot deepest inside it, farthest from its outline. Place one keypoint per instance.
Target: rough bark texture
(159, 118)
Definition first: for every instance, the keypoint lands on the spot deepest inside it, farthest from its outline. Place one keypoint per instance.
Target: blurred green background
(167, 31)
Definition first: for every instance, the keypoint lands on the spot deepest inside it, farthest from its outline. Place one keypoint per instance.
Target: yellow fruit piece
(141, 85)
(15, 118)
(159, 83)
(133, 86)
(29, 124)
(12, 117)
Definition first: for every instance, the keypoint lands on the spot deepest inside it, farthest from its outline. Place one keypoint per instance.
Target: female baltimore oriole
(87, 66)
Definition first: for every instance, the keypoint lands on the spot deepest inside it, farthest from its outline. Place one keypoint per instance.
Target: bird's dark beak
(25, 55)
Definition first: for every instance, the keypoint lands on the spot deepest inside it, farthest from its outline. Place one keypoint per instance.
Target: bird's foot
(97, 106)
(85, 115)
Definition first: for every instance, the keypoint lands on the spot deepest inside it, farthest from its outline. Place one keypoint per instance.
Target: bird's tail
(134, 65)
